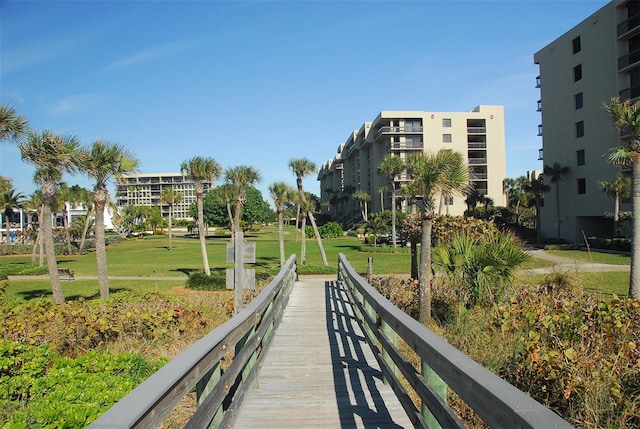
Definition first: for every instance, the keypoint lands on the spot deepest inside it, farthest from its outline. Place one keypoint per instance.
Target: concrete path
(568, 264)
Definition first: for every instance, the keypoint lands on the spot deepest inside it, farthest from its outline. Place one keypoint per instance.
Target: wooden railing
(242, 341)
(443, 367)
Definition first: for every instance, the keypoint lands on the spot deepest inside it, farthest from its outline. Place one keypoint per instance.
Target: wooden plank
(319, 371)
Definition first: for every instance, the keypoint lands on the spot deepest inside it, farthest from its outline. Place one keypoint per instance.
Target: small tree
(619, 186)
(363, 199)
(171, 197)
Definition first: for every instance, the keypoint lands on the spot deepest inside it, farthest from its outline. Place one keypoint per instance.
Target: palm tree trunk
(201, 234)
(170, 237)
(297, 220)
(303, 242)
(538, 234)
(426, 276)
(634, 281)
(393, 215)
(414, 258)
(558, 210)
(616, 216)
(318, 238)
(8, 232)
(66, 228)
(281, 237)
(101, 246)
(85, 230)
(233, 231)
(52, 265)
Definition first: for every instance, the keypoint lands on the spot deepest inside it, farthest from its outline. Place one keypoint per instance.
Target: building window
(580, 129)
(576, 45)
(446, 122)
(580, 156)
(577, 73)
(582, 186)
(446, 138)
(579, 101)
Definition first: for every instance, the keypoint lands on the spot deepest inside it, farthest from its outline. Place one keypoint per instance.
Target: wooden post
(439, 387)
(239, 268)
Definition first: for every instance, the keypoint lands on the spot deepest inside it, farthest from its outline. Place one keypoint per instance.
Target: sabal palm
(619, 186)
(536, 189)
(302, 167)
(85, 196)
(240, 178)
(104, 161)
(392, 165)
(10, 200)
(12, 125)
(201, 169)
(432, 174)
(52, 155)
(171, 197)
(554, 173)
(625, 116)
(363, 199)
(34, 203)
(281, 193)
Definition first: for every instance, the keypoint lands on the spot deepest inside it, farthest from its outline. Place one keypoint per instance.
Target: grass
(593, 257)
(149, 258)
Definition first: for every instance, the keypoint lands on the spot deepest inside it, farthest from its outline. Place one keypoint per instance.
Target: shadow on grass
(186, 271)
(349, 246)
(46, 293)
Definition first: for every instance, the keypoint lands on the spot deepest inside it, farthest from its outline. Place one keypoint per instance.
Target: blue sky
(261, 82)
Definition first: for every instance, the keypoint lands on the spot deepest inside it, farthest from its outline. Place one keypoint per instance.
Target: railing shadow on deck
(442, 367)
(351, 371)
(242, 341)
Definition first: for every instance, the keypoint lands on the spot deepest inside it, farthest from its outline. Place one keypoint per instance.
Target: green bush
(43, 389)
(21, 269)
(331, 230)
(201, 281)
(619, 244)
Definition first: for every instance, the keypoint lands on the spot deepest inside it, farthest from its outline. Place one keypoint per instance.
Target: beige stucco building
(146, 190)
(579, 72)
(478, 135)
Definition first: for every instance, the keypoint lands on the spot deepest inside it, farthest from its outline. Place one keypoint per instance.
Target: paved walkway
(568, 264)
(319, 372)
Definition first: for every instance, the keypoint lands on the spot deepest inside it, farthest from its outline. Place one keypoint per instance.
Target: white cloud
(76, 102)
(152, 54)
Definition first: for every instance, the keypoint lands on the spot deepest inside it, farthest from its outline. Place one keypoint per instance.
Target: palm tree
(619, 186)
(432, 174)
(12, 126)
(34, 203)
(381, 190)
(52, 155)
(200, 170)
(392, 166)
(85, 196)
(281, 193)
(537, 188)
(171, 197)
(555, 173)
(377, 226)
(302, 167)
(62, 197)
(240, 178)
(363, 198)
(104, 161)
(625, 117)
(10, 200)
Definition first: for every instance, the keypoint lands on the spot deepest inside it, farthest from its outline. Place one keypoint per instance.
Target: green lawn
(593, 256)
(150, 258)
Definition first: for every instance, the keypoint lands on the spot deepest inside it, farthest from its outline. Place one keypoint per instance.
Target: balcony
(399, 130)
(406, 146)
(539, 130)
(479, 176)
(628, 26)
(539, 108)
(476, 130)
(628, 60)
(477, 161)
(540, 157)
(477, 145)
(537, 81)
(629, 93)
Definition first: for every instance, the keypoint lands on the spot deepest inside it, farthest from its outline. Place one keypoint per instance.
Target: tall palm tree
(625, 116)
(619, 186)
(34, 203)
(537, 188)
(10, 200)
(392, 165)
(240, 178)
(281, 193)
(363, 199)
(171, 197)
(200, 170)
(85, 196)
(432, 174)
(381, 190)
(302, 167)
(102, 162)
(555, 173)
(52, 155)
(63, 196)
(12, 126)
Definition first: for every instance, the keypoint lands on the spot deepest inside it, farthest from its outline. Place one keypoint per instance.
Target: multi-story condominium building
(146, 190)
(478, 135)
(579, 72)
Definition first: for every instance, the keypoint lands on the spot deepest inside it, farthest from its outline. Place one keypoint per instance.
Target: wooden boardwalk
(319, 371)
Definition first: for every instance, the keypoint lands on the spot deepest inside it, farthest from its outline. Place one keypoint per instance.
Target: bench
(66, 272)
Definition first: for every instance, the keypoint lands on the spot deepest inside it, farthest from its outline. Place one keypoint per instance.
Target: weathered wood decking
(319, 372)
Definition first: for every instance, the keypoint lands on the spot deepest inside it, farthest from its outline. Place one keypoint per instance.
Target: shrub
(201, 281)
(331, 230)
(402, 293)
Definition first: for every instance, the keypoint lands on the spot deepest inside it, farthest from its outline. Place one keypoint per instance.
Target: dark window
(580, 156)
(580, 129)
(446, 138)
(577, 73)
(582, 186)
(579, 101)
(576, 45)
(446, 122)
